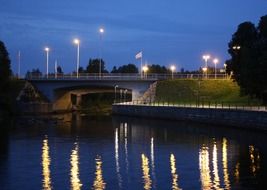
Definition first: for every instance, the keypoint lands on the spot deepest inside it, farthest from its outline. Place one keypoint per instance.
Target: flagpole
(141, 66)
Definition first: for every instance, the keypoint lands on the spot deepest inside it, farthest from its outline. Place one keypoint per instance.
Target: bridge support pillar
(78, 100)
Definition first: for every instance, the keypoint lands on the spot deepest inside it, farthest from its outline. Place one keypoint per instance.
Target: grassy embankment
(204, 91)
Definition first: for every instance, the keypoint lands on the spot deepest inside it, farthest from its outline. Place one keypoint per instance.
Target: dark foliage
(93, 66)
(130, 68)
(248, 63)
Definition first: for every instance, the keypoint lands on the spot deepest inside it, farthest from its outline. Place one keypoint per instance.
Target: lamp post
(172, 69)
(101, 32)
(125, 92)
(47, 59)
(224, 70)
(204, 69)
(206, 58)
(215, 61)
(77, 42)
(145, 69)
(115, 93)
(120, 95)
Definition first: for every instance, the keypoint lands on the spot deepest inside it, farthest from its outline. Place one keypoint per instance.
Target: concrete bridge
(59, 91)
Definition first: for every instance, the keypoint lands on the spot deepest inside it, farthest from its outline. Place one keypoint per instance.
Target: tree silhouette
(130, 68)
(5, 71)
(93, 66)
(248, 63)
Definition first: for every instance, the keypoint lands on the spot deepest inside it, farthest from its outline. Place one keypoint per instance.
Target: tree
(59, 70)
(248, 63)
(5, 71)
(130, 68)
(93, 66)
(33, 73)
(157, 69)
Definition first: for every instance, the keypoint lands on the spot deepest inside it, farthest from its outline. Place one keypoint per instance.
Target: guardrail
(202, 104)
(123, 76)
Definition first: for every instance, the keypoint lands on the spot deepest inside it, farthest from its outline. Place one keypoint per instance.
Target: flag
(139, 55)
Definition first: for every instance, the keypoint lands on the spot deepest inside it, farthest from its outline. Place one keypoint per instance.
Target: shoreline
(244, 119)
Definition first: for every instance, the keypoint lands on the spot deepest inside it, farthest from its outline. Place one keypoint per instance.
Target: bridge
(59, 89)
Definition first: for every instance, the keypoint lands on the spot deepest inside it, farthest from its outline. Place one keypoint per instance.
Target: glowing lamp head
(145, 68)
(206, 57)
(215, 61)
(101, 30)
(204, 69)
(76, 41)
(47, 49)
(172, 68)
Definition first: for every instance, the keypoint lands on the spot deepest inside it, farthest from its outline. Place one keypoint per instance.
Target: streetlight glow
(206, 58)
(215, 61)
(76, 41)
(172, 69)
(145, 69)
(101, 30)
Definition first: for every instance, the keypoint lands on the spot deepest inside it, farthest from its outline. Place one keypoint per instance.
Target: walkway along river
(227, 116)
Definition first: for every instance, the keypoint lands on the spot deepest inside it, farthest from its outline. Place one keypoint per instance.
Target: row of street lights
(122, 92)
(145, 70)
(205, 69)
(76, 41)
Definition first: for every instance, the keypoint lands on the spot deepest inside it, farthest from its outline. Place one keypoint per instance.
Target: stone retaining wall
(238, 118)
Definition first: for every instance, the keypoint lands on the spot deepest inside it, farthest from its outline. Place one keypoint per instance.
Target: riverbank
(246, 119)
(190, 91)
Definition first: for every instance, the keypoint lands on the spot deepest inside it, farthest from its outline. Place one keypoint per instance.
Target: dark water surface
(82, 152)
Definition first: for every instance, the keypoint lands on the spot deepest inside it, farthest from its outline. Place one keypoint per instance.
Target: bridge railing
(201, 104)
(123, 76)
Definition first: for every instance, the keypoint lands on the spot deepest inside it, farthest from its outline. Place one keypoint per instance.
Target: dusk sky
(167, 31)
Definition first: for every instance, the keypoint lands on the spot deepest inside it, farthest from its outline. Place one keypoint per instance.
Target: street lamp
(206, 58)
(225, 69)
(47, 59)
(125, 92)
(115, 93)
(172, 69)
(77, 42)
(215, 61)
(204, 69)
(236, 47)
(101, 32)
(145, 69)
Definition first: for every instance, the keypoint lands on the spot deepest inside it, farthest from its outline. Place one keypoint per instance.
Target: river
(76, 151)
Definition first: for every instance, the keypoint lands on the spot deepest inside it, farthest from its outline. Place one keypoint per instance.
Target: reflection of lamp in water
(99, 183)
(174, 174)
(254, 160)
(216, 181)
(146, 176)
(45, 165)
(117, 157)
(74, 171)
(225, 164)
(204, 168)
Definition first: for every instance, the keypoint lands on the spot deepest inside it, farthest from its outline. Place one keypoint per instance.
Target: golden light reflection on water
(254, 160)
(146, 177)
(99, 183)
(204, 168)
(74, 170)
(216, 181)
(117, 157)
(174, 174)
(225, 164)
(46, 166)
